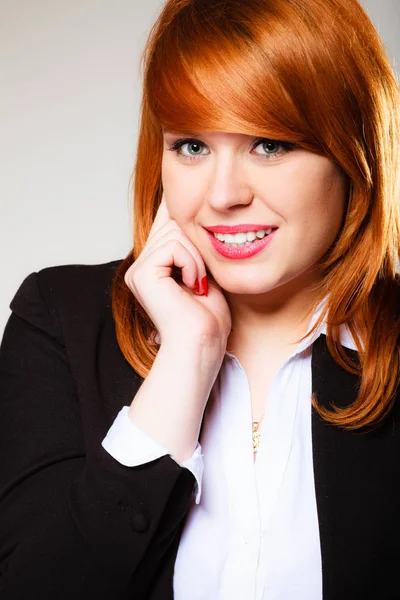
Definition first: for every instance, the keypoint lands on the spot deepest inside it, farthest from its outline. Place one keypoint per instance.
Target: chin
(250, 288)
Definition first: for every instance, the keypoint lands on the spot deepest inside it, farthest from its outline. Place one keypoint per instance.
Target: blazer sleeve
(73, 523)
(131, 446)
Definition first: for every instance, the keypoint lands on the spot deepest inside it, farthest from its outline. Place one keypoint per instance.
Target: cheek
(183, 191)
(320, 202)
(332, 204)
(175, 189)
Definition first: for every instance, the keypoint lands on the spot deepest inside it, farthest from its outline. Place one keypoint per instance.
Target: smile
(242, 245)
(242, 239)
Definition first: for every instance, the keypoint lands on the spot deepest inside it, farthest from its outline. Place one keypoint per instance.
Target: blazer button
(139, 523)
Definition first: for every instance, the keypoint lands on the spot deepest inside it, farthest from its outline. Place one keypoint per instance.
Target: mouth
(242, 228)
(242, 245)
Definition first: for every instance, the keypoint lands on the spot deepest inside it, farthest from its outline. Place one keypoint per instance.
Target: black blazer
(75, 524)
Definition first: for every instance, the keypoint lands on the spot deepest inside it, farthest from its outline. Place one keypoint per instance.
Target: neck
(278, 317)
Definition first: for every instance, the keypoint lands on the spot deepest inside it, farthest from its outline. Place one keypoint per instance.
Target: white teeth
(242, 239)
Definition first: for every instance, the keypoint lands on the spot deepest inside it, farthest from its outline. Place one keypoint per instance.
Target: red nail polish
(204, 283)
(197, 286)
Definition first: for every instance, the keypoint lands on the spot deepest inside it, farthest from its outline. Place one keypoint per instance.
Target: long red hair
(315, 73)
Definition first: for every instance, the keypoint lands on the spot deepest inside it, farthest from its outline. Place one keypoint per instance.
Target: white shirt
(252, 532)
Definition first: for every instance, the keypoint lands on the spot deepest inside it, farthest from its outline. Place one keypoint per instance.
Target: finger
(160, 261)
(162, 217)
(153, 240)
(176, 254)
(176, 233)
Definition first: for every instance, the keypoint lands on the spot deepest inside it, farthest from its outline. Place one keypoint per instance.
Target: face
(217, 178)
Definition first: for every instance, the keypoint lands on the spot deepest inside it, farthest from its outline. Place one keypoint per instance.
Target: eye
(194, 147)
(272, 148)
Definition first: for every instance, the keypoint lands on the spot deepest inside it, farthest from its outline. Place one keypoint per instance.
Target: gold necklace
(256, 434)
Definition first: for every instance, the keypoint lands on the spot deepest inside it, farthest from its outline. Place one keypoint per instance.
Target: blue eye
(272, 148)
(177, 147)
(196, 146)
(269, 146)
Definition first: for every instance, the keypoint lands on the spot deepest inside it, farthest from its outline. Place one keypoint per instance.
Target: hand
(174, 308)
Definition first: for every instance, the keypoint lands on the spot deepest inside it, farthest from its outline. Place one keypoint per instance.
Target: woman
(217, 417)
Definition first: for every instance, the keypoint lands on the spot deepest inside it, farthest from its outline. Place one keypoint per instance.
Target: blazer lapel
(357, 490)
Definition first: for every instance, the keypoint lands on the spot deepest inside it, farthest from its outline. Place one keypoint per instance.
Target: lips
(243, 252)
(245, 227)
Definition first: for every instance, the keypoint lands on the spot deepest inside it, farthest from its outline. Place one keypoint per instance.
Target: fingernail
(204, 283)
(197, 287)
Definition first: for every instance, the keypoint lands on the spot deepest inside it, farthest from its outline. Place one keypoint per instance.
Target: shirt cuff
(131, 447)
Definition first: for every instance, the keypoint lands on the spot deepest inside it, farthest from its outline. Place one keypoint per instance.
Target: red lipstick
(245, 227)
(245, 251)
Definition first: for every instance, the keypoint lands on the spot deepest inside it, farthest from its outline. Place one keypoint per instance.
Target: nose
(228, 183)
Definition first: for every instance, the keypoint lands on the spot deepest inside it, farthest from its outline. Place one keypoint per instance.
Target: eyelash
(177, 145)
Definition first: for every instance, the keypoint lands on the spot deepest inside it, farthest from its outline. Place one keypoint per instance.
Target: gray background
(69, 105)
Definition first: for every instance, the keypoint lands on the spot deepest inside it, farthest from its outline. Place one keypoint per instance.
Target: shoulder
(74, 293)
(95, 274)
(77, 283)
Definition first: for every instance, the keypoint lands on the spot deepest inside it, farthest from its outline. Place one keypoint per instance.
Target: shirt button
(139, 523)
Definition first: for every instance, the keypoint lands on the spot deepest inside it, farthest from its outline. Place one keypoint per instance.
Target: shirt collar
(346, 338)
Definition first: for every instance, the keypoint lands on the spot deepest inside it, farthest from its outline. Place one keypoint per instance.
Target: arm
(131, 446)
(74, 523)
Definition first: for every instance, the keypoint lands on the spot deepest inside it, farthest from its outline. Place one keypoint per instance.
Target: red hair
(315, 73)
